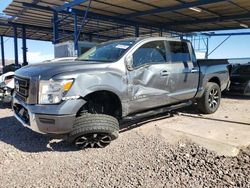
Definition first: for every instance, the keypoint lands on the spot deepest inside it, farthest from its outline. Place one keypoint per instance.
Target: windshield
(242, 70)
(108, 52)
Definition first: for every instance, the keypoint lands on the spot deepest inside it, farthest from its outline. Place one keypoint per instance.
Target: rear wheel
(210, 101)
(94, 131)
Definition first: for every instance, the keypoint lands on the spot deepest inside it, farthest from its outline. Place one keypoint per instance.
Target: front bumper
(42, 122)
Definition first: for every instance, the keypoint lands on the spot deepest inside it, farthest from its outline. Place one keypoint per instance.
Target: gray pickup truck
(84, 100)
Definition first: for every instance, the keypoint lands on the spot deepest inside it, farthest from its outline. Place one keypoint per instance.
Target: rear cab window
(178, 51)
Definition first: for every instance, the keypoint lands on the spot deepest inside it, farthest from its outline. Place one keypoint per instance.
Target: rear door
(185, 71)
(149, 79)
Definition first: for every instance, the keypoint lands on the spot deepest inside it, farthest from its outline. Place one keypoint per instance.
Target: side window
(178, 51)
(150, 53)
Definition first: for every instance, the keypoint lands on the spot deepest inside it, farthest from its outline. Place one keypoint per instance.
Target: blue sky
(234, 47)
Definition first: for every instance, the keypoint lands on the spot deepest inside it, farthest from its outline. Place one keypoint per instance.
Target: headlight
(51, 92)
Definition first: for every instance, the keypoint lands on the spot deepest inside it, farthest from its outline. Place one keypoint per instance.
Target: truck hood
(48, 70)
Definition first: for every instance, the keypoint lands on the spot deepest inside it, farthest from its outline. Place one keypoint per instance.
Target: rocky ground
(135, 159)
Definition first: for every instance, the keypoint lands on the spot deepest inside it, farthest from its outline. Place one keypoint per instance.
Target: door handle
(164, 73)
(194, 70)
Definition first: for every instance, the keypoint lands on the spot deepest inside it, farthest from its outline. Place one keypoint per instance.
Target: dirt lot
(149, 154)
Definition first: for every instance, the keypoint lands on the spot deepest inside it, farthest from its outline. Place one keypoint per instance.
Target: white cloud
(36, 57)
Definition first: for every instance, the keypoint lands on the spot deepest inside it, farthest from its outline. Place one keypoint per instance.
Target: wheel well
(215, 80)
(102, 102)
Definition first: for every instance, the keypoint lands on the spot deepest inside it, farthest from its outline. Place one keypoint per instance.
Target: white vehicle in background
(7, 83)
(6, 87)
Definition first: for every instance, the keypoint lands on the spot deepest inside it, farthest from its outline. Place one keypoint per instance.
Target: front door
(149, 79)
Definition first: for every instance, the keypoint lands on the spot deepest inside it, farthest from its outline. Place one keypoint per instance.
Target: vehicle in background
(83, 100)
(11, 68)
(238, 61)
(67, 49)
(6, 87)
(240, 80)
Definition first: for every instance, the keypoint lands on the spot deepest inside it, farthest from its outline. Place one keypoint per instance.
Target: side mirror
(129, 62)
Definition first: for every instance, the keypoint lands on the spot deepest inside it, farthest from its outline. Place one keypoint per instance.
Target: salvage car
(6, 87)
(83, 101)
(240, 80)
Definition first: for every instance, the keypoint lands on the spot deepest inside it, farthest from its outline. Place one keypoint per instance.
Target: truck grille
(22, 88)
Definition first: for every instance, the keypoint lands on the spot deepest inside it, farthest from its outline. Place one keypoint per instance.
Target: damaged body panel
(118, 78)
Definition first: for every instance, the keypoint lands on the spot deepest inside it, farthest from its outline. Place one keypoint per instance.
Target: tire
(94, 131)
(210, 101)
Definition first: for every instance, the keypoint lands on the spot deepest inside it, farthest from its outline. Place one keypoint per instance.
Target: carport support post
(206, 56)
(76, 34)
(2, 51)
(160, 32)
(90, 38)
(137, 31)
(15, 45)
(55, 27)
(24, 47)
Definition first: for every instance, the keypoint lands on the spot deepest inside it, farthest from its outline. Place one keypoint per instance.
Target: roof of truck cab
(137, 39)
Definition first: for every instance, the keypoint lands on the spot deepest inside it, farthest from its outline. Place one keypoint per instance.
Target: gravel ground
(28, 159)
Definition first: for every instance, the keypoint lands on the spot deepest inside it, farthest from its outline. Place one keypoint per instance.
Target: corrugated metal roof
(152, 15)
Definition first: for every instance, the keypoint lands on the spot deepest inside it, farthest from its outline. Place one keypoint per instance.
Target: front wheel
(210, 101)
(94, 131)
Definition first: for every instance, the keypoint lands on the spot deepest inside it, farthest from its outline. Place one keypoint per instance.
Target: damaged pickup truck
(83, 100)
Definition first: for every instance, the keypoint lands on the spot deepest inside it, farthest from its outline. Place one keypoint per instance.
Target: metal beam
(55, 27)
(109, 29)
(219, 45)
(209, 29)
(97, 16)
(50, 30)
(2, 51)
(12, 18)
(118, 20)
(173, 8)
(209, 20)
(137, 31)
(225, 34)
(15, 45)
(207, 48)
(24, 46)
(68, 5)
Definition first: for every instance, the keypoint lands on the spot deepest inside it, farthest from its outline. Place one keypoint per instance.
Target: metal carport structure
(100, 20)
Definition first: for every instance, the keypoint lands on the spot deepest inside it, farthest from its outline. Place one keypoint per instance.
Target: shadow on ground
(13, 133)
(128, 125)
(5, 105)
(235, 96)
(24, 139)
(193, 112)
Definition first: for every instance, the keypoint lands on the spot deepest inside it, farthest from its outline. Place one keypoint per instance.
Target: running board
(157, 111)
